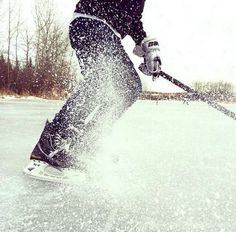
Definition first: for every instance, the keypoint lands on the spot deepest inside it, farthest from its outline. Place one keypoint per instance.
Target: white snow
(165, 167)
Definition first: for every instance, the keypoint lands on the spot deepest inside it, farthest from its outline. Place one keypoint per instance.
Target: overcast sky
(197, 38)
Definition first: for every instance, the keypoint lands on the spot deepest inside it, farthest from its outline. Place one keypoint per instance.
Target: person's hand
(150, 51)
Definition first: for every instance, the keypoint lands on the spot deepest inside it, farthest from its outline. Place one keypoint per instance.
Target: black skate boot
(51, 159)
(54, 148)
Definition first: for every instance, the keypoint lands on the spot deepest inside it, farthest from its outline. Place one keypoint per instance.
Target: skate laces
(60, 142)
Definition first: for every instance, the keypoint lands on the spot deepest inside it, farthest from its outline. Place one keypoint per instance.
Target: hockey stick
(203, 97)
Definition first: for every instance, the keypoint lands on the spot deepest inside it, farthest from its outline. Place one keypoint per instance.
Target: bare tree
(2, 14)
(9, 41)
(51, 50)
(17, 33)
(27, 43)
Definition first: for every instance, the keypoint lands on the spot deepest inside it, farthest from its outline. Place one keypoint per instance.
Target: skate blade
(43, 171)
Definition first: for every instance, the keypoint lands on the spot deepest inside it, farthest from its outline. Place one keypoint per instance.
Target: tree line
(217, 91)
(36, 62)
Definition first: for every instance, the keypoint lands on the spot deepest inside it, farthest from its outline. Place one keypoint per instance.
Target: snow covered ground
(166, 167)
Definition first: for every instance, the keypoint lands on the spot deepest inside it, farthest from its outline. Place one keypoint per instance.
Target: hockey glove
(150, 51)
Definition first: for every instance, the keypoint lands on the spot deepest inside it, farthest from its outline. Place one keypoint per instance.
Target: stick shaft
(203, 97)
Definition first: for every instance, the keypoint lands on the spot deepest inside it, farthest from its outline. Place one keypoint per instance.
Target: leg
(109, 87)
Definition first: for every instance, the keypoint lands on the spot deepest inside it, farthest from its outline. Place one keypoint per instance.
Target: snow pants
(109, 84)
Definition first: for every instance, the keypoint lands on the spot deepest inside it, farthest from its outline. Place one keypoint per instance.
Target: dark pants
(109, 85)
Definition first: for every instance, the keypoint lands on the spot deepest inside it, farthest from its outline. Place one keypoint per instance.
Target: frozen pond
(165, 167)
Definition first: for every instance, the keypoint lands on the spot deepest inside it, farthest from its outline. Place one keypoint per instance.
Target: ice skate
(42, 170)
(50, 160)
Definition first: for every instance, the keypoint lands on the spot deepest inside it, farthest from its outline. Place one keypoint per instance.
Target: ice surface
(165, 167)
